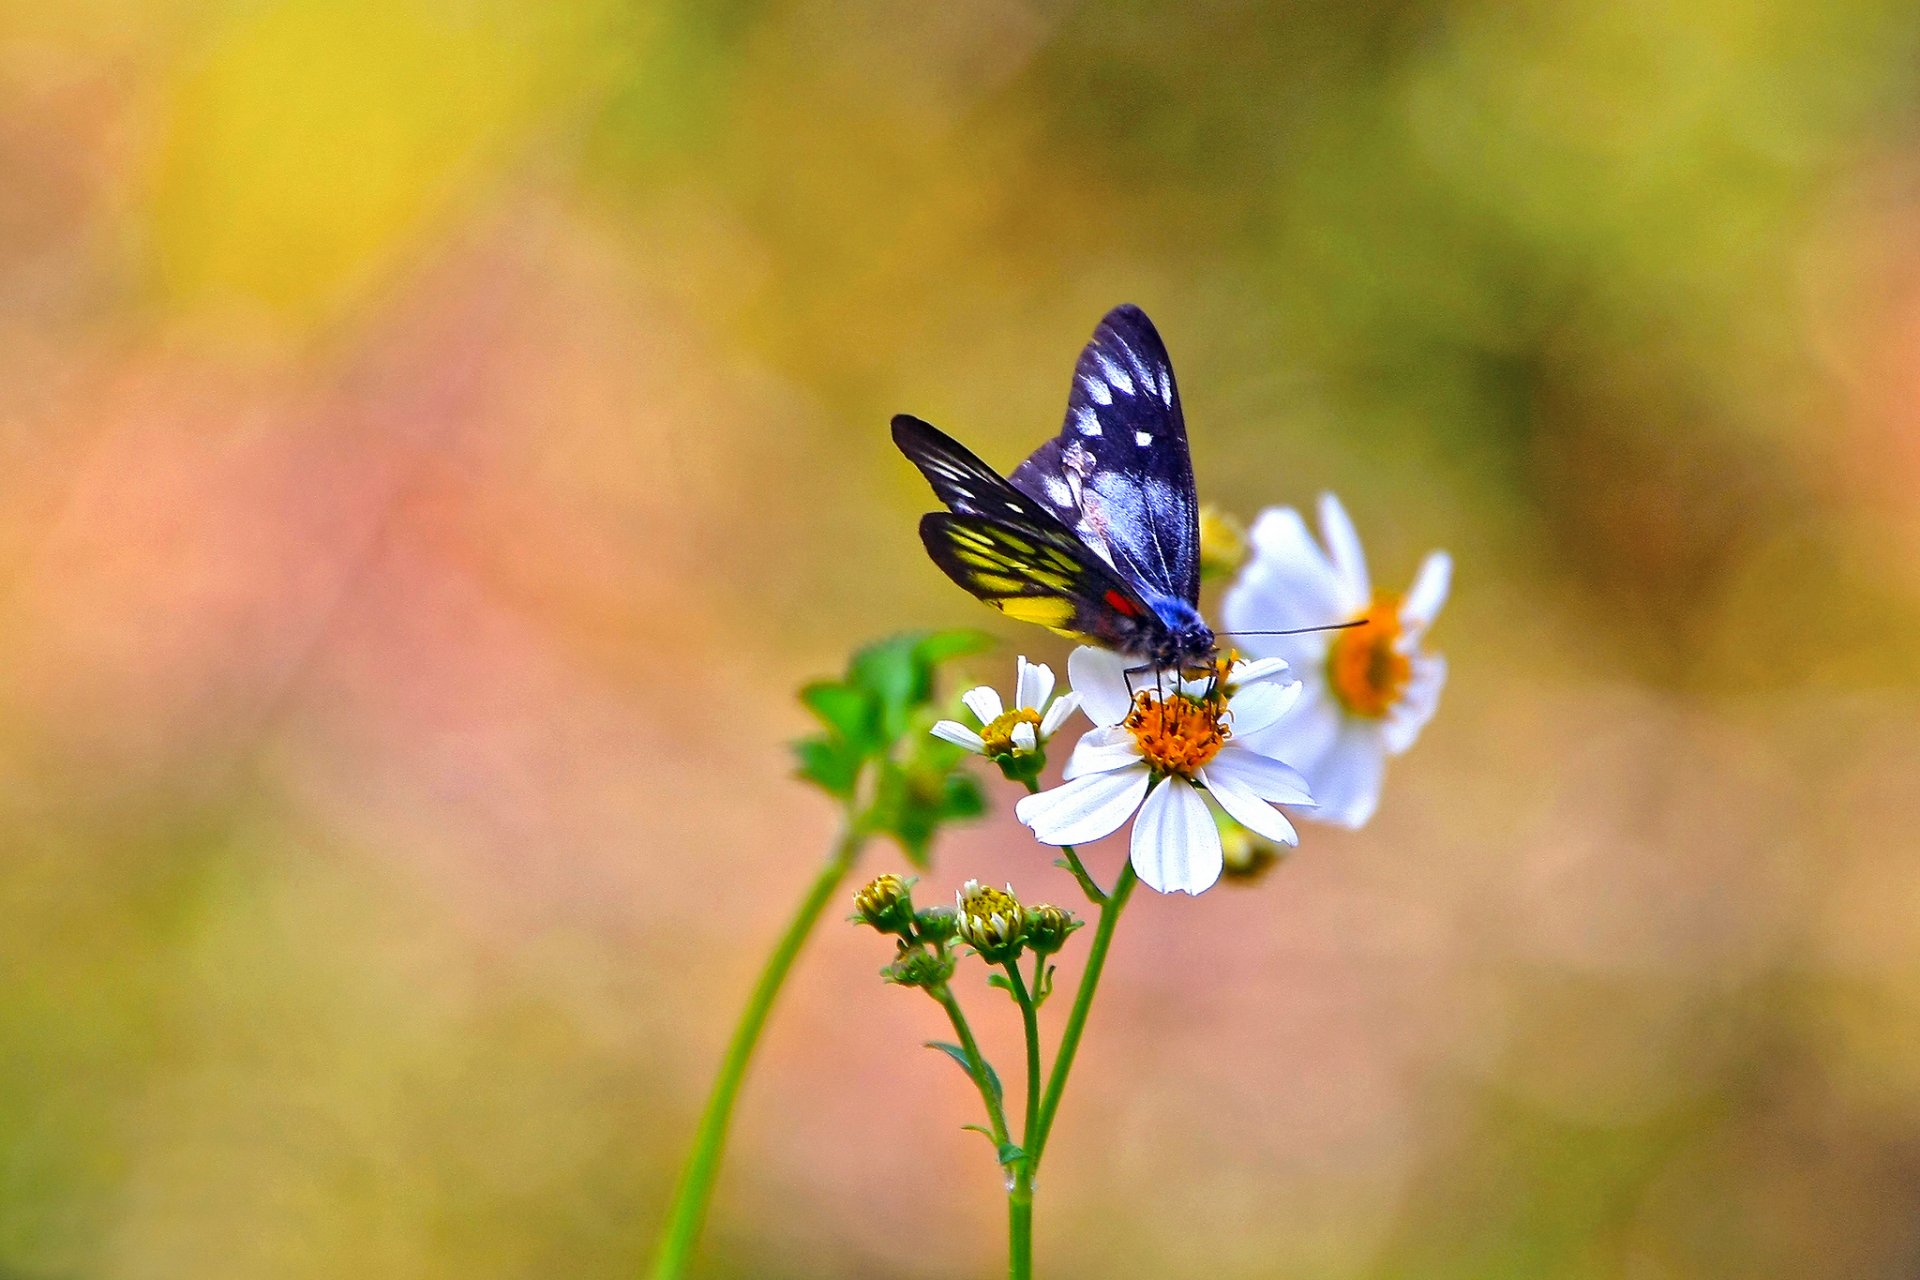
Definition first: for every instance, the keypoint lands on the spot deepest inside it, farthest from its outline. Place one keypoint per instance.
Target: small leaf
(845, 710)
(1010, 1152)
(943, 646)
(1001, 981)
(897, 681)
(959, 1055)
(983, 1131)
(828, 763)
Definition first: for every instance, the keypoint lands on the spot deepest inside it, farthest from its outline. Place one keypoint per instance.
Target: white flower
(1021, 730)
(1155, 753)
(1370, 689)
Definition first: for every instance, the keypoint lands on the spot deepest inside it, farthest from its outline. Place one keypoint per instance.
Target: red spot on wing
(1123, 605)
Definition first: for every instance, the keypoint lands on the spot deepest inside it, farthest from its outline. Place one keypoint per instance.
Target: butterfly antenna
(1299, 631)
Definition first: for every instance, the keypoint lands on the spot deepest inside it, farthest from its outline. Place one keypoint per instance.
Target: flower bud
(1247, 856)
(989, 921)
(1047, 928)
(885, 904)
(935, 924)
(918, 967)
(1223, 543)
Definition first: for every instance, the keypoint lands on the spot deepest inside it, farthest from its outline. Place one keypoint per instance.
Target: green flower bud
(885, 904)
(935, 924)
(1223, 543)
(1247, 857)
(989, 921)
(918, 967)
(1047, 928)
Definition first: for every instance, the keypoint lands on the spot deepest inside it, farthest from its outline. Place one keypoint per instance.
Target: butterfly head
(1183, 640)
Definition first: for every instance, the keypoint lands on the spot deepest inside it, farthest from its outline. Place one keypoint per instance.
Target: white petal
(1024, 738)
(1258, 706)
(1244, 674)
(1348, 557)
(1033, 685)
(1287, 584)
(1101, 751)
(1099, 676)
(1260, 775)
(1428, 593)
(959, 735)
(1176, 847)
(1301, 736)
(1063, 706)
(1346, 781)
(984, 702)
(1417, 703)
(1084, 809)
(1247, 808)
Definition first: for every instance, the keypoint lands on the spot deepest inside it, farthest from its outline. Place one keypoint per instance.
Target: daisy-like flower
(1154, 751)
(1369, 690)
(1017, 731)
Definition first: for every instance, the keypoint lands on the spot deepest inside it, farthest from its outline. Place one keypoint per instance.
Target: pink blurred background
(437, 437)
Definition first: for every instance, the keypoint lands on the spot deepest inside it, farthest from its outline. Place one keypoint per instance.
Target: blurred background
(437, 436)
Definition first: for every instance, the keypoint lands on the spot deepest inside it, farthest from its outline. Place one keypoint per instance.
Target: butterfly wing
(1037, 572)
(1007, 549)
(961, 480)
(1119, 474)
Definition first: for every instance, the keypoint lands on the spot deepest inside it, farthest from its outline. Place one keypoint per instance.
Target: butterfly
(1096, 535)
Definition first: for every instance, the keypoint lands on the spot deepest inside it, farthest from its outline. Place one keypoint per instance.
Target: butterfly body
(1096, 535)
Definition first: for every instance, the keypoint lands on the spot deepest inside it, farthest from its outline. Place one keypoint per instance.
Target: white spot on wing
(1059, 492)
(1086, 421)
(1115, 374)
(1143, 438)
(1166, 391)
(1096, 389)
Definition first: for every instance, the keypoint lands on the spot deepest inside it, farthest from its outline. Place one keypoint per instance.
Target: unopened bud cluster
(991, 921)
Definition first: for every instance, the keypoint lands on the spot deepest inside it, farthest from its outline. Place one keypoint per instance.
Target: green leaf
(959, 1055)
(844, 709)
(944, 646)
(983, 1131)
(896, 679)
(1011, 1152)
(829, 763)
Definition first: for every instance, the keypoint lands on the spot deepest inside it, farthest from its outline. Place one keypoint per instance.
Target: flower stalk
(687, 1213)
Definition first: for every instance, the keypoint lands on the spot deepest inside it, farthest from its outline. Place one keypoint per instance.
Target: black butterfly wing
(1009, 551)
(1119, 474)
(1037, 572)
(961, 480)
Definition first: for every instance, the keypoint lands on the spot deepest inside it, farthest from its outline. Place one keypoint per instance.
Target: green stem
(976, 1064)
(1020, 1225)
(1020, 1189)
(688, 1212)
(1088, 885)
(1030, 1023)
(1077, 1019)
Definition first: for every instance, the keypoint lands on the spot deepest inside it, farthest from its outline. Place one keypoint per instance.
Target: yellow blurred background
(436, 436)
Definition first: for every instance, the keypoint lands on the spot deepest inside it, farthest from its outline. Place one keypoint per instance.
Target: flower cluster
(1199, 761)
(990, 921)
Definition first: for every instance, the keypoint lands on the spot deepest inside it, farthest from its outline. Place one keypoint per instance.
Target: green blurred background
(437, 435)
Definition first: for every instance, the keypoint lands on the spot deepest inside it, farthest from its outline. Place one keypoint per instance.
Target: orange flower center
(1365, 665)
(998, 736)
(1178, 734)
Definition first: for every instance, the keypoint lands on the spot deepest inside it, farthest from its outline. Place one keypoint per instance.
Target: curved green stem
(688, 1212)
(1030, 1023)
(976, 1064)
(1088, 885)
(1077, 1019)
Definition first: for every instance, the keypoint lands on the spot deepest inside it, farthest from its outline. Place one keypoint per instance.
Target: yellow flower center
(998, 736)
(1365, 666)
(1178, 734)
